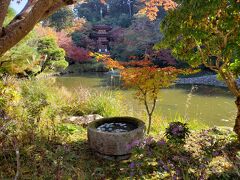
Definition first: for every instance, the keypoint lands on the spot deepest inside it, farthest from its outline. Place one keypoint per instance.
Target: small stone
(83, 120)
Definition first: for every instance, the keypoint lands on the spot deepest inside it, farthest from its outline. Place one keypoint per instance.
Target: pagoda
(102, 37)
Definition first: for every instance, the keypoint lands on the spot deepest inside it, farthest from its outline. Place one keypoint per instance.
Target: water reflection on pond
(211, 105)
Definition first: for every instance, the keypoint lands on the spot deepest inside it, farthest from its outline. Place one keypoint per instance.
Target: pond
(211, 105)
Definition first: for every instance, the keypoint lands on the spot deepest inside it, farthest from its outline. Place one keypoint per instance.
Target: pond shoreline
(210, 80)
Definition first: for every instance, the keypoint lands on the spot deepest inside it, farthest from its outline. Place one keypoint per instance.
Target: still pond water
(210, 105)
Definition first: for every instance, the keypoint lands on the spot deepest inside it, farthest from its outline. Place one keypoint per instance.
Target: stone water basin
(112, 136)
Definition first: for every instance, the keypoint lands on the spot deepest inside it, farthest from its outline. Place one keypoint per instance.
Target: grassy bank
(70, 157)
(31, 124)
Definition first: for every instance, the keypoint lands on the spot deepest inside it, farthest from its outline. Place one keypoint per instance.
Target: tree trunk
(237, 121)
(149, 123)
(233, 87)
(4, 4)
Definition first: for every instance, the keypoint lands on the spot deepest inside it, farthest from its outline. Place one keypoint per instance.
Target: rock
(83, 120)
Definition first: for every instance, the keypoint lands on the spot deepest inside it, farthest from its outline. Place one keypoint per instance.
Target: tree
(21, 60)
(207, 32)
(60, 20)
(148, 81)
(24, 22)
(136, 39)
(118, 7)
(54, 57)
(65, 42)
(97, 10)
(81, 32)
(73, 52)
(90, 10)
(151, 8)
(163, 57)
(145, 78)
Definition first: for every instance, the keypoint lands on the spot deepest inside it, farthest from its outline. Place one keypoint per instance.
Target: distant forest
(133, 34)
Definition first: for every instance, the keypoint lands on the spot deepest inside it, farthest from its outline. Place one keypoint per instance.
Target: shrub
(208, 154)
(177, 132)
(54, 55)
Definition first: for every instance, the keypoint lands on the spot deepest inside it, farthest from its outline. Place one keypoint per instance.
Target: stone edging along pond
(210, 80)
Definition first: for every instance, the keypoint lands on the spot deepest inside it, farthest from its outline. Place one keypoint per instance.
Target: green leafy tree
(124, 21)
(21, 60)
(114, 12)
(90, 10)
(207, 32)
(61, 19)
(81, 34)
(32, 56)
(54, 57)
(119, 7)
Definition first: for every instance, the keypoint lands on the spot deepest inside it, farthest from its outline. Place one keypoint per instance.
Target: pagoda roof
(96, 35)
(102, 27)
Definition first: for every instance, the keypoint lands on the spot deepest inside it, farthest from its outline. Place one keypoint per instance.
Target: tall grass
(104, 104)
(83, 101)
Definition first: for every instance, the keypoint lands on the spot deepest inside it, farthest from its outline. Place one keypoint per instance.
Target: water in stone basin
(116, 127)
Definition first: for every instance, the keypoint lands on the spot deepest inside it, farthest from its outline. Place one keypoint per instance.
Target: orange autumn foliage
(45, 31)
(147, 81)
(111, 63)
(142, 77)
(107, 61)
(135, 63)
(151, 7)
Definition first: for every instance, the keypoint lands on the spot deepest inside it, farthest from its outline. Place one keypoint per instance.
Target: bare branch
(223, 35)
(213, 68)
(15, 145)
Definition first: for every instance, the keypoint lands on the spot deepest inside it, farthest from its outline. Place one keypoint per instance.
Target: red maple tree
(73, 52)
